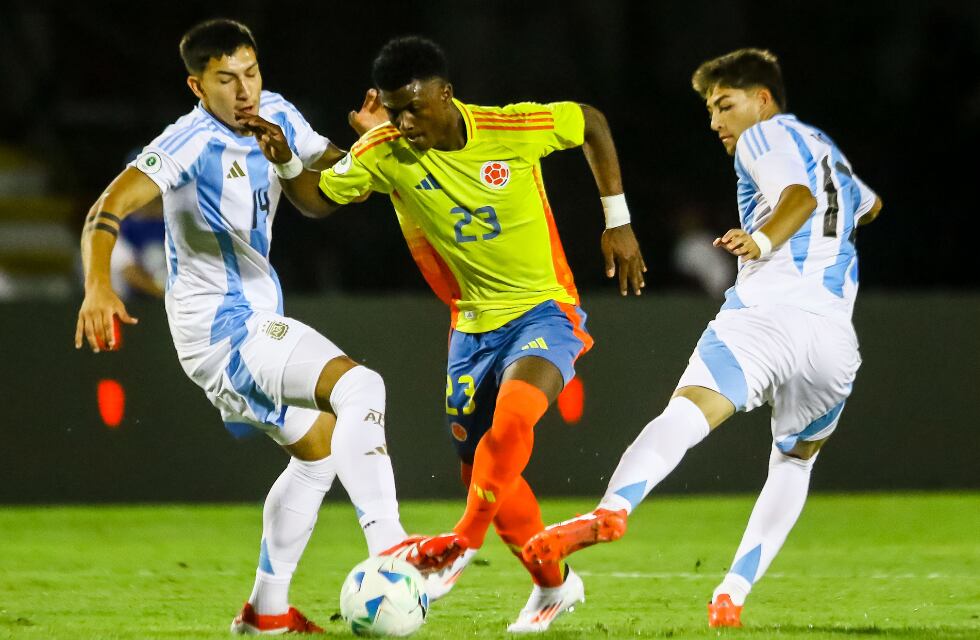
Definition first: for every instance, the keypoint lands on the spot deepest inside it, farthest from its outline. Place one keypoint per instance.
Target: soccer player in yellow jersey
(466, 185)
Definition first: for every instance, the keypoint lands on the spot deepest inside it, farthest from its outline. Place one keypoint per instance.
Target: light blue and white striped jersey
(219, 200)
(816, 269)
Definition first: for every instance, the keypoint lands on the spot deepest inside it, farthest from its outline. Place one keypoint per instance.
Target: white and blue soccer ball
(384, 596)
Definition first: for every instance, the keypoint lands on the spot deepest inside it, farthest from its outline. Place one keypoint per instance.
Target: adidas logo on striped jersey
(236, 171)
(428, 183)
(538, 343)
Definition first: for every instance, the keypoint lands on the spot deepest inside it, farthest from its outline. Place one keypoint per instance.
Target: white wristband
(289, 170)
(763, 242)
(615, 209)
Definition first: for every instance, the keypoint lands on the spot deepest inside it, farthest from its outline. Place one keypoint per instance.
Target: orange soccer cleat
(724, 613)
(561, 540)
(249, 623)
(429, 554)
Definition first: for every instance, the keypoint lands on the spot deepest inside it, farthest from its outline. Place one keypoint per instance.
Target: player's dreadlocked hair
(742, 69)
(408, 58)
(213, 39)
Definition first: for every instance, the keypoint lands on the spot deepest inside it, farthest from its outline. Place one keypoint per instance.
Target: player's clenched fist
(270, 137)
(738, 243)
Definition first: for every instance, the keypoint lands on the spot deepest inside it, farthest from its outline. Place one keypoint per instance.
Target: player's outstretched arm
(131, 190)
(299, 185)
(795, 205)
(620, 249)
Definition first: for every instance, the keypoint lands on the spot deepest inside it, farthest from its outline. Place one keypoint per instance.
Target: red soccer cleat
(557, 542)
(401, 549)
(249, 623)
(429, 554)
(724, 613)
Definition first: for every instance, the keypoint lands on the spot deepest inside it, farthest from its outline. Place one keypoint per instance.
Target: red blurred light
(112, 402)
(116, 334)
(571, 401)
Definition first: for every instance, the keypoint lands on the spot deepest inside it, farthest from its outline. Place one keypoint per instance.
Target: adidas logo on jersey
(539, 343)
(428, 183)
(235, 172)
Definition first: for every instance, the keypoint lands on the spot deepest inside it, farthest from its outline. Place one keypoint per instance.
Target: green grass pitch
(891, 565)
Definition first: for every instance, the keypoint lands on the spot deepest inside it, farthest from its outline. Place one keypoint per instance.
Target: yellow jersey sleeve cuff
(347, 180)
(337, 195)
(569, 123)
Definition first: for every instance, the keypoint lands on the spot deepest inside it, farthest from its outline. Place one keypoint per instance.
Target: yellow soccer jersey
(476, 220)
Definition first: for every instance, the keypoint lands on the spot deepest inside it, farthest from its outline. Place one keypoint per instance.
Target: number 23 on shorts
(469, 389)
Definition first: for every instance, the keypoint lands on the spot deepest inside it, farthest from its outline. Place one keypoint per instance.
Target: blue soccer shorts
(552, 330)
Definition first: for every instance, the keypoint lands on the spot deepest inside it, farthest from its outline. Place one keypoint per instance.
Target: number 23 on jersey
(487, 215)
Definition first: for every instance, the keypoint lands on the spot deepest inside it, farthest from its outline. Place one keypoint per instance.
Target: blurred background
(86, 85)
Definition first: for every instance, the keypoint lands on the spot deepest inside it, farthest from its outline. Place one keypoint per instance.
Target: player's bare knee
(315, 444)
(805, 450)
(540, 372)
(329, 375)
(357, 389)
(715, 407)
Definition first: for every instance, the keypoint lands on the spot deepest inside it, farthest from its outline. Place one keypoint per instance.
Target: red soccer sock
(518, 519)
(501, 456)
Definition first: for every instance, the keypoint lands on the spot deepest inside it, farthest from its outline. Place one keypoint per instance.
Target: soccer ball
(384, 596)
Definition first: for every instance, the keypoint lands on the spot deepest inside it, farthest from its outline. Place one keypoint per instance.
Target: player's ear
(195, 84)
(764, 96)
(447, 92)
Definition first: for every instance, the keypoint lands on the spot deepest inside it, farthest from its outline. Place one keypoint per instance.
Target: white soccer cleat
(547, 603)
(439, 583)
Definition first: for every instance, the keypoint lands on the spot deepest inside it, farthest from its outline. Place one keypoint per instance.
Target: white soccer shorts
(264, 377)
(801, 363)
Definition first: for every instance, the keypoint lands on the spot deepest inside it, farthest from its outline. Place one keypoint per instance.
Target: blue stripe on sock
(748, 565)
(264, 563)
(633, 492)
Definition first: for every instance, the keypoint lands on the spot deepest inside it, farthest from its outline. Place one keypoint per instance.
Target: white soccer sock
(359, 451)
(654, 454)
(287, 522)
(775, 512)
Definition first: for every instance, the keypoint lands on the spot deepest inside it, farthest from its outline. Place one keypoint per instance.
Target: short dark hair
(407, 58)
(742, 69)
(213, 39)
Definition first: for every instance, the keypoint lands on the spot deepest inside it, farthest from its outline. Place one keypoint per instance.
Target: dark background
(895, 83)
(909, 424)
